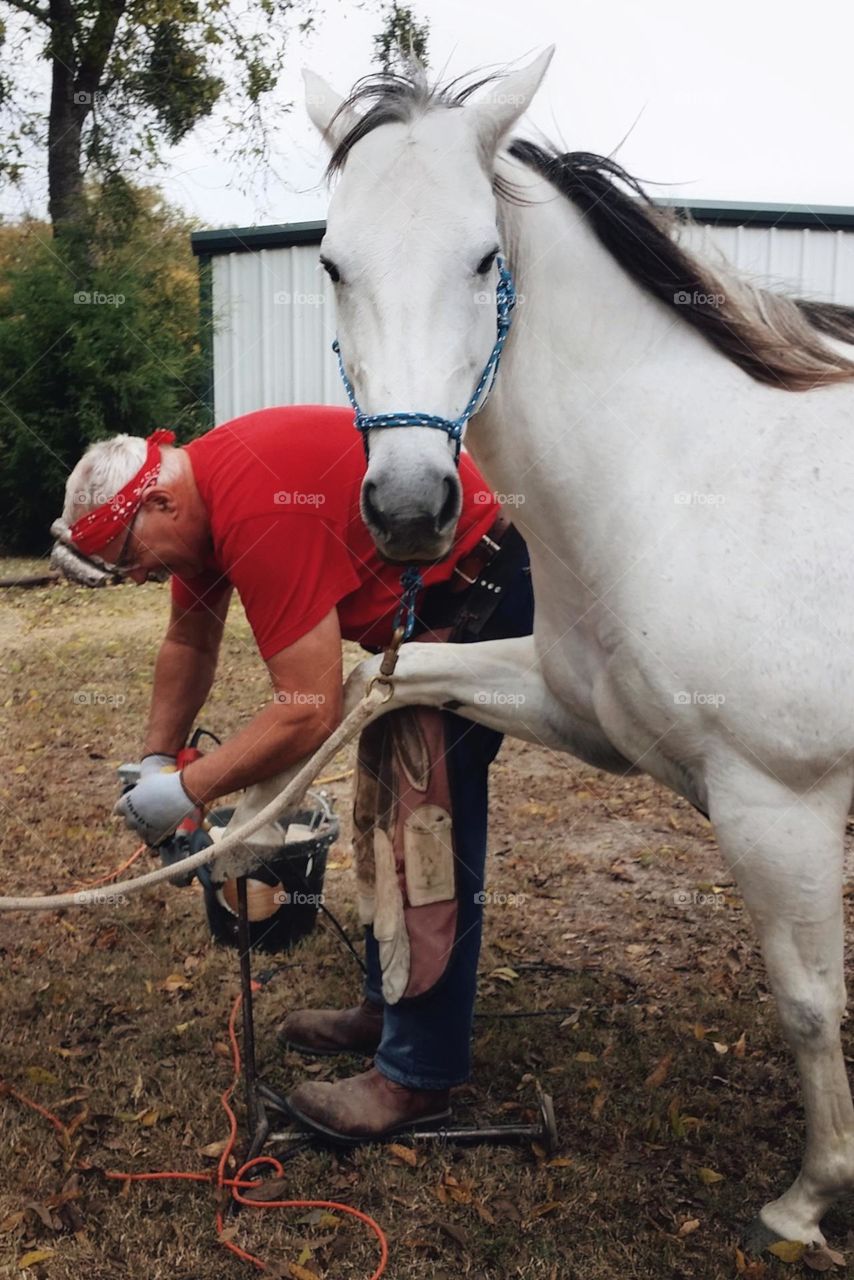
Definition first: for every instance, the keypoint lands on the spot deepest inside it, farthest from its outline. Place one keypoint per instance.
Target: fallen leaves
(147, 1117)
(504, 974)
(455, 1233)
(659, 1073)
(620, 870)
(269, 1189)
(301, 1273)
(598, 1104)
(38, 1075)
(823, 1259)
(680, 1125)
(453, 1190)
(788, 1250)
(174, 983)
(214, 1150)
(709, 1177)
(405, 1154)
(540, 1210)
(35, 1256)
(751, 1269)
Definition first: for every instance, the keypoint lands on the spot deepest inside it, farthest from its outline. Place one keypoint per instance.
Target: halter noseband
(505, 298)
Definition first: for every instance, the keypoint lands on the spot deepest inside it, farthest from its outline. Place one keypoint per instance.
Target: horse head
(412, 247)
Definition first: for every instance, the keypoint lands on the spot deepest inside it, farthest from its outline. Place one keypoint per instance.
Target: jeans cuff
(411, 1081)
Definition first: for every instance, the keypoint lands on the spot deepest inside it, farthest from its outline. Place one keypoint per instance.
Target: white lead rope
(378, 693)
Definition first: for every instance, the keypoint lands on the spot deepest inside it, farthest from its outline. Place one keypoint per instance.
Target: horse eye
(486, 263)
(331, 270)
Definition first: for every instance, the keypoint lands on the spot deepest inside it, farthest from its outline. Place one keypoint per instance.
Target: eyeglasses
(124, 565)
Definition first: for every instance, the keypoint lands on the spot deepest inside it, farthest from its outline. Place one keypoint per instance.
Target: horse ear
(322, 104)
(507, 100)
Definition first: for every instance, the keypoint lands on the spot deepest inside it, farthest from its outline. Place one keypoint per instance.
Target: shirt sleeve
(289, 571)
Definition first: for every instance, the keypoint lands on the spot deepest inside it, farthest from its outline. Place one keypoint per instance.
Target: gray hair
(105, 467)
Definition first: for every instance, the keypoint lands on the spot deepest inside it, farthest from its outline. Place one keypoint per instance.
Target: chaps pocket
(428, 856)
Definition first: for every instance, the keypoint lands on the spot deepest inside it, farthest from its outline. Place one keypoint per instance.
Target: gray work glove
(155, 806)
(154, 763)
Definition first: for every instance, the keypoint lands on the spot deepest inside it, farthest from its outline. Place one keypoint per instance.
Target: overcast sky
(748, 101)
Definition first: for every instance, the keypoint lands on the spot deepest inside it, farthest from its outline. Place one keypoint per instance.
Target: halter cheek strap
(505, 300)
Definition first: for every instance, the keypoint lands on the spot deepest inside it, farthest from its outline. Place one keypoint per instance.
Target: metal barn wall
(811, 261)
(274, 315)
(273, 326)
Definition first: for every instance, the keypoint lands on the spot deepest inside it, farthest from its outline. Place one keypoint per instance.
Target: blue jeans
(426, 1041)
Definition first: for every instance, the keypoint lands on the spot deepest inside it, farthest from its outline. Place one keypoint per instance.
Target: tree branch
(93, 56)
(30, 7)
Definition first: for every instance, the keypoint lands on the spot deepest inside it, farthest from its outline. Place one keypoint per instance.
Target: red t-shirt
(281, 490)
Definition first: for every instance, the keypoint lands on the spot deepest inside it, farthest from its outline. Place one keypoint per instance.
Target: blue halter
(505, 297)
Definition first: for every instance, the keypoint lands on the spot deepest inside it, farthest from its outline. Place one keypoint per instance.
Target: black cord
(530, 1013)
(344, 938)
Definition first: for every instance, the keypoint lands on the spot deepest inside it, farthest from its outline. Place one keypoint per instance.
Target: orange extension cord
(239, 1182)
(115, 873)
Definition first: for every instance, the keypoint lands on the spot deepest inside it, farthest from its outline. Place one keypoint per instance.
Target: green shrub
(97, 336)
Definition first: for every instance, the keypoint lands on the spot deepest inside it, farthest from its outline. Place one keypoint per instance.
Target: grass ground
(677, 1104)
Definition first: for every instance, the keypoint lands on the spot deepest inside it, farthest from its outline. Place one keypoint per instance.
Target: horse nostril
(370, 510)
(450, 509)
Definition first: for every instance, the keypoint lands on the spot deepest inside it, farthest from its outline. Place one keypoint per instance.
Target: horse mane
(395, 98)
(774, 337)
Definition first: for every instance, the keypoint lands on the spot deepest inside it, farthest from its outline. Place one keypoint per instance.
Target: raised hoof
(758, 1237)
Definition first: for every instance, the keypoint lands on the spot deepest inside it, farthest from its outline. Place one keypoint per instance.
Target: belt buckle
(464, 576)
(491, 546)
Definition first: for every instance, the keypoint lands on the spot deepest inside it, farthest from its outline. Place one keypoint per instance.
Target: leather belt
(469, 569)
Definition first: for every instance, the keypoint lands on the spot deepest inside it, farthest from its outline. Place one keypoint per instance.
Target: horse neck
(598, 377)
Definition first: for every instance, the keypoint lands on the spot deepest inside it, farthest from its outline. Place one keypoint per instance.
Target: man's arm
(183, 674)
(304, 710)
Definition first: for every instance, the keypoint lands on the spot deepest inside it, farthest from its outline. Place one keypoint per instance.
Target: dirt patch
(612, 924)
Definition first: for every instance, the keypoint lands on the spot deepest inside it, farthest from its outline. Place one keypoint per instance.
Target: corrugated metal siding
(812, 262)
(272, 332)
(274, 319)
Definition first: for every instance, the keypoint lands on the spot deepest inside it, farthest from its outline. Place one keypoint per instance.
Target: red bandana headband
(102, 524)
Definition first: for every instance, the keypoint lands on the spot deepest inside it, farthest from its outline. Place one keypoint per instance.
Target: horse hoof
(758, 1237)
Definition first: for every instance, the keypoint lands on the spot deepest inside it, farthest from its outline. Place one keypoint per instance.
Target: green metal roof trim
(818, 217)
(718, 212)
(250, 239)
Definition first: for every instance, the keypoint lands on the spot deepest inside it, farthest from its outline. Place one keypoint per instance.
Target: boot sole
(358, 1140)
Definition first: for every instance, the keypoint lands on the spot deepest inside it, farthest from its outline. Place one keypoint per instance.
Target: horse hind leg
(786, 852)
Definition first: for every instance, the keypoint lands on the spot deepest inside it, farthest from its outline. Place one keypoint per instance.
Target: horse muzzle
(414, 527)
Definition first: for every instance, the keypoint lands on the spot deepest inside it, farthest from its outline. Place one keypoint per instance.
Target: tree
(131, 77)
(403, 39)
(99, 327)
(80, 364)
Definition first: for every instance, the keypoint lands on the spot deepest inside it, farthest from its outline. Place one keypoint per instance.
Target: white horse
(680, 449)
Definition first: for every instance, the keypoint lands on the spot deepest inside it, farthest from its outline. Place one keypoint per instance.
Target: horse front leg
(786, 851)
(497, 683)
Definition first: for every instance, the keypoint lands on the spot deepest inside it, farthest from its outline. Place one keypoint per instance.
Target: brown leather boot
(366, 1107)
(328, 1031)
